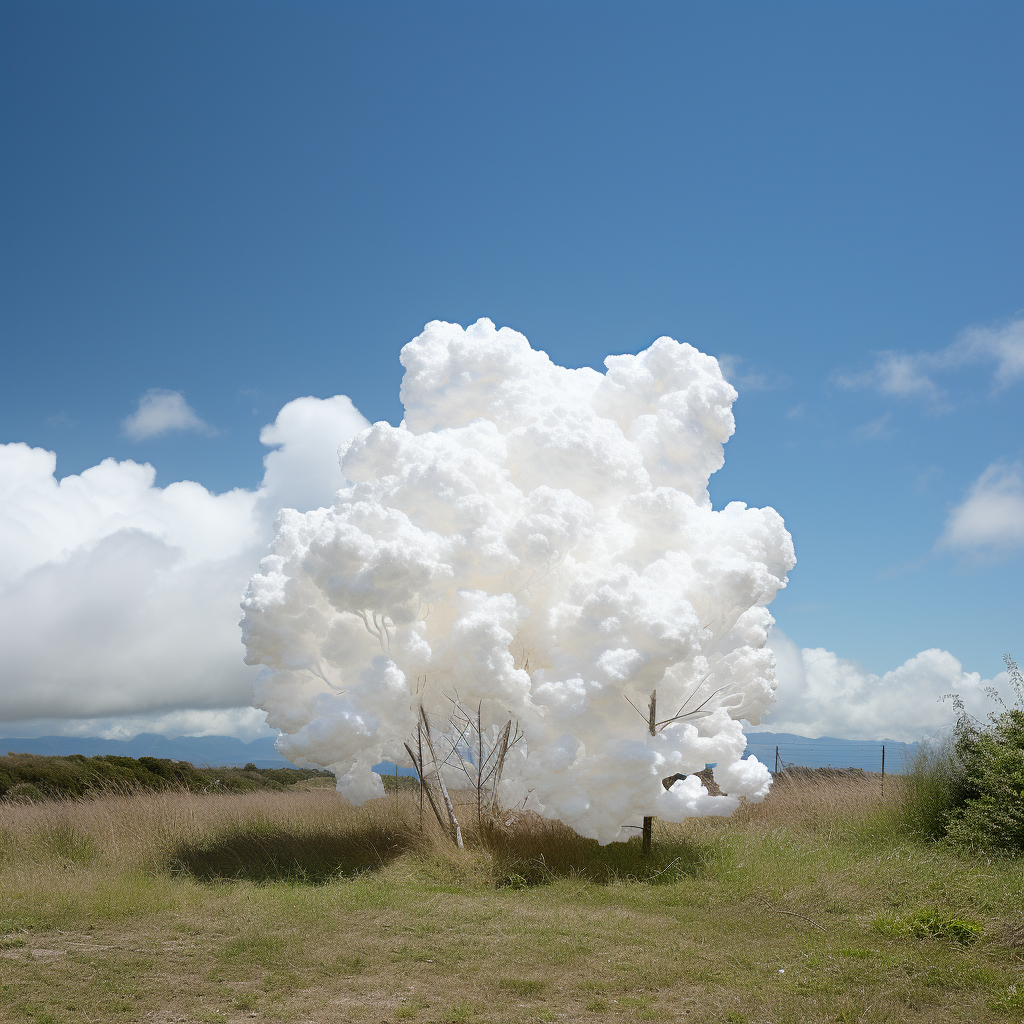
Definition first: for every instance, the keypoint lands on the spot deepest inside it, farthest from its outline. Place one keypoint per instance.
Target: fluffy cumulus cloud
(821, 694)
(119, 597)
(160, 412)
(538, 541)
(912, 375)
(991, 517)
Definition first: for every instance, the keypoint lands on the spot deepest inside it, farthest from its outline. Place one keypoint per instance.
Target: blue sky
(246, 203)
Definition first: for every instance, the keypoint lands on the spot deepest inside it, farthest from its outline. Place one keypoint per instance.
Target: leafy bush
(972, 788)
(992, 816)
(24, 793)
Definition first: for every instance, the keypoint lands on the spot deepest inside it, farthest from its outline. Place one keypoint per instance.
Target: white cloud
(122, 598)
(303, 472)
(992, 514)
(900, 375)
(1003, 345)
(821, 694)
(895, 374)
(60, 421)
(160, 412)
(246, 724)
(910, 375)
(874, 430)
(730, 367)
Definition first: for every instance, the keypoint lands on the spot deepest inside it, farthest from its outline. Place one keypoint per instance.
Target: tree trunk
(648, 834)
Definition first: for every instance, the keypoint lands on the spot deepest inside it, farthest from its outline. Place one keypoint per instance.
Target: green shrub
(971, 789)
(991, 816)
(394, 783)
(24, 793)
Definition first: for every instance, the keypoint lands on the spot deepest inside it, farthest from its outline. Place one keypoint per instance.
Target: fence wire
(892, 758)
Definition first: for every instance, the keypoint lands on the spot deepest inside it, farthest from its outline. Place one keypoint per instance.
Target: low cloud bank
(821, 694)
(121, 598)
(246, 724)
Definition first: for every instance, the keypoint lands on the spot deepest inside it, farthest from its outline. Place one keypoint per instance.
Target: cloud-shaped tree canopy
(541, 540)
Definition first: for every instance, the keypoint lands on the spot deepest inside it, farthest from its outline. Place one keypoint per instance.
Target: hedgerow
(33, 777)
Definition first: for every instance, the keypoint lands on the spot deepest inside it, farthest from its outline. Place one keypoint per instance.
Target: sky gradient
(210, 210)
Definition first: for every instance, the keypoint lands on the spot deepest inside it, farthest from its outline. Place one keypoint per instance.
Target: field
(816, 906)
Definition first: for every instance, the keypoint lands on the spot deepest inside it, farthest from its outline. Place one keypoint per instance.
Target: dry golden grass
(813, 907)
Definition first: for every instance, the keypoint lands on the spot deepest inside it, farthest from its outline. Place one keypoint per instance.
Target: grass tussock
(935, 785)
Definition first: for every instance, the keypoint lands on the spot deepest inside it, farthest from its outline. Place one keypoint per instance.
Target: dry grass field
(815, 906)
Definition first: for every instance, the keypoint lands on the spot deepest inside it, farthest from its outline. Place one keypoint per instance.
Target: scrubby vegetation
(33, 777)
(818, 906)
(970, 789)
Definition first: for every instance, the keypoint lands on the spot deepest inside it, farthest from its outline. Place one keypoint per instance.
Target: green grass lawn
(815, 906)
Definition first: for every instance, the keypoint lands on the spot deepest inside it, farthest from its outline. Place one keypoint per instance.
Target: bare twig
(696, 711)
(500, 766)
(419, 748)
(424, 787)
(791, 913)
(635, 708)
(456, 828)
(479, 764)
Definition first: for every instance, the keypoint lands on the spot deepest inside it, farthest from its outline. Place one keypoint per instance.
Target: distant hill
(35, 777)
(202, 751)
(219, 751)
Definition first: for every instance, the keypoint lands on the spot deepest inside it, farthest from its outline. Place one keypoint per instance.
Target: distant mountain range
(216, 751)
(830, 752)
